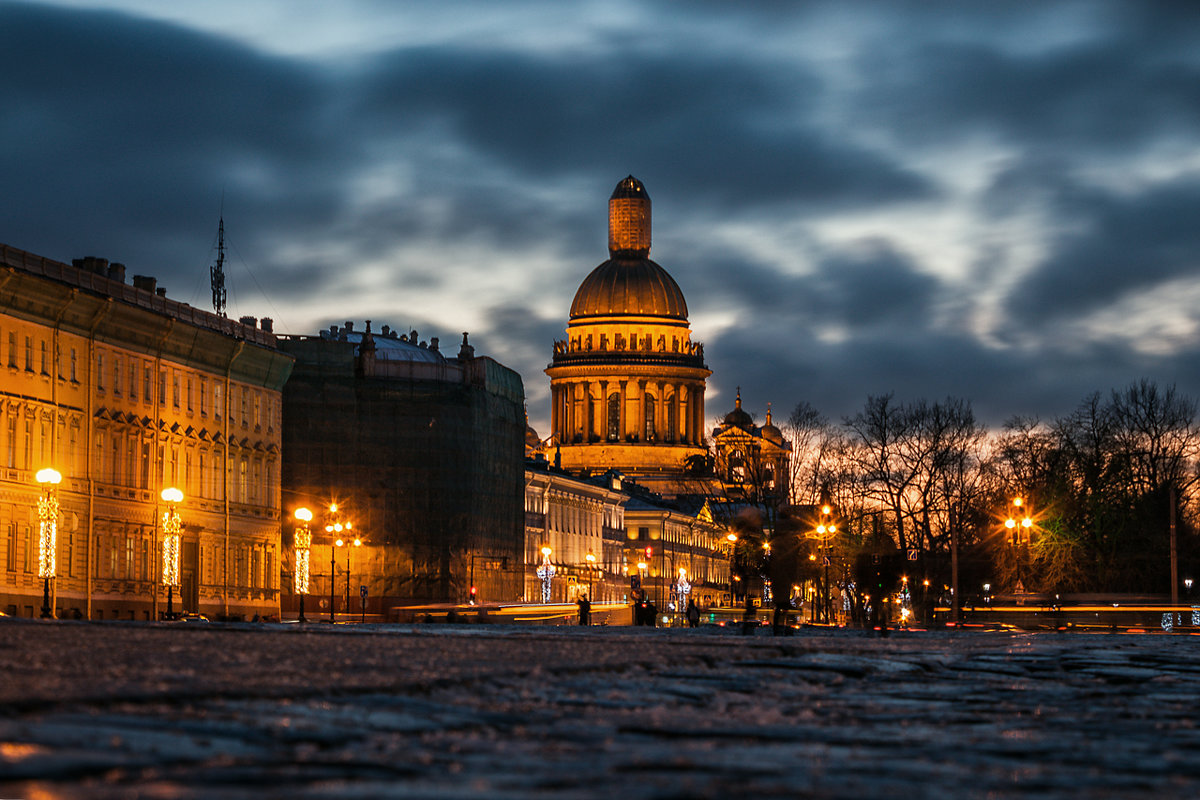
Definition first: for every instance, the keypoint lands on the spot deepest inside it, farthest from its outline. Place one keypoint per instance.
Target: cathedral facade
(627, 383)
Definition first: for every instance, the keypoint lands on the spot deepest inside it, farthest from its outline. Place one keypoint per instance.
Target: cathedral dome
(738, 417)
(629, 283)
(769, 431)
(629, 287)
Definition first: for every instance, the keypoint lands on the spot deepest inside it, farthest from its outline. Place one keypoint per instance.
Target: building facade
(125, 392)
(627, 383)
(421, 452)
(752, 462)
(573, 519)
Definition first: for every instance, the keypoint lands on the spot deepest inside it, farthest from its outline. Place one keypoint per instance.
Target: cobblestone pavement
(106, 710)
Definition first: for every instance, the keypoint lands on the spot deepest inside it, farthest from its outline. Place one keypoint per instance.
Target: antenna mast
(217, 271)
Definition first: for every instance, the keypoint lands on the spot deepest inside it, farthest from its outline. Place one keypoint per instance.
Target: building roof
(389, 348)
(629, 287)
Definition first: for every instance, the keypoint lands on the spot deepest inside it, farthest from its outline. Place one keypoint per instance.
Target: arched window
(672, 419)
(649, 402)
(614, 417)
(737, 466)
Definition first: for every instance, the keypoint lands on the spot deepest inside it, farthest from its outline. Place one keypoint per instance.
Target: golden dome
(629, 283)
(629, 287)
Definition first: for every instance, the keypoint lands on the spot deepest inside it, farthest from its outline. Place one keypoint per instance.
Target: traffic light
(649, 552)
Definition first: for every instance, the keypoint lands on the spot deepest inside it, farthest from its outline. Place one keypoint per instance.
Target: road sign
(635, 582)
(362, 591)
(913, 554)
(825, 560)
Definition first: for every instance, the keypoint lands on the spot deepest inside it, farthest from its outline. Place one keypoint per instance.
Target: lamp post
(303, 541)
(826, 529)
(333, 529)
(1019, 537)
(348, 543)
(47, 507)
(171, 527)
(546, 573)
(732, 538)
(591, 562)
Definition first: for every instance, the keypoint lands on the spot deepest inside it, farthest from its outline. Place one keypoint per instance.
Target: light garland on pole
(546, 573)
(302, 541)
(47, 507)
(171, 526)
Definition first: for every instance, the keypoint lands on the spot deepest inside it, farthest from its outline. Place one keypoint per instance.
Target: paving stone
(231, 711)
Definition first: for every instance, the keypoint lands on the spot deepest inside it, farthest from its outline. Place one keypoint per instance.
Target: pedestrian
(585, 610)
(693, 614)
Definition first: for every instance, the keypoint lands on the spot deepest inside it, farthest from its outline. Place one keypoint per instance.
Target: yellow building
(752, 462)
(125, 393)
(627, 384)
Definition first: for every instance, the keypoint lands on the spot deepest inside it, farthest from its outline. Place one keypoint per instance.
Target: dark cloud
(765, 132)
(1118, 243)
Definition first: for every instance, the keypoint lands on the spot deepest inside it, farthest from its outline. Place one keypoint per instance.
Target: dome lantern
(629, 220)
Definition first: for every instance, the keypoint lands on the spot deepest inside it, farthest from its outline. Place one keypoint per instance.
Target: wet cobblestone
(116, 711)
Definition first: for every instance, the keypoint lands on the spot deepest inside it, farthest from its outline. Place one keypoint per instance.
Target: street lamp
(303, 541)
(171, 527)
(591, 561)
(348, 543)
(333, 529)
(826, 529)
(1019, 536)
(732, 538)
(546, 573)
(47, 507)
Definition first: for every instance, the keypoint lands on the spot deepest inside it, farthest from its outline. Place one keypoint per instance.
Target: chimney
(116, 272)
(433, 344)
(248, 321)
(386, 331)
(349, 326)
(268, 324)
(161, 291)
(144, 282)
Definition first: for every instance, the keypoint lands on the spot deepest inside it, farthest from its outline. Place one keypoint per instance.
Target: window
(257, 410)
(11, 557)
(614, 417)
(175, 388)
(29, 354)
(12, 349)
(45, 357)
(144, 476)
(116, 375)
(162, 387)
(11, 460)
(203, 399)
(133, 379)
(29, 565)
(74, 363)
(242, 491)
(649, 399)
(218, 400)
(129, 575)
(147, 397)
(190, 391)
(672, 419)
(245, 407)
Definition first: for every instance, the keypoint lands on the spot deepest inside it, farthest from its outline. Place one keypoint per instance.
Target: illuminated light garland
(47, 536)
(170, 573)
(546, 573)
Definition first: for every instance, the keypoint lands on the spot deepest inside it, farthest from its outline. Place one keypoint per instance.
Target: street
(111, 710)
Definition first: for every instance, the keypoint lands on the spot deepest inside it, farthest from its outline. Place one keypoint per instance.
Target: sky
(990, 201)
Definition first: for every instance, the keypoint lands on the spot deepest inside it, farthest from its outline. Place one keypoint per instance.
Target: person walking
(693, 614)
(585, 610)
